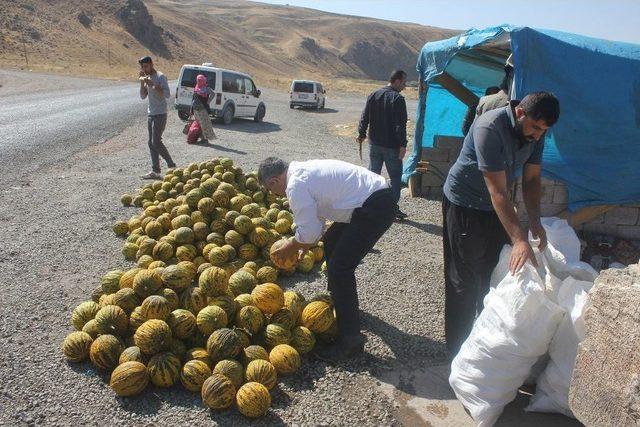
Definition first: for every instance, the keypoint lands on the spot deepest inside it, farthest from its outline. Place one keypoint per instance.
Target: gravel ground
(57, 242)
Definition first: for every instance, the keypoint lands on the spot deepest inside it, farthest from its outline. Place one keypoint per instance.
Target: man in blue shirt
(478, 215)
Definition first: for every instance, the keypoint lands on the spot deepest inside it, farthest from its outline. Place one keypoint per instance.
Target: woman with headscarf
(202, 95)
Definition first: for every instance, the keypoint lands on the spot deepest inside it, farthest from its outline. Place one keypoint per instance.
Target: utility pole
(24, 48)
(109, 54)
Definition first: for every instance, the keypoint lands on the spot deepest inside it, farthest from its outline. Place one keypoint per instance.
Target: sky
(609, 19)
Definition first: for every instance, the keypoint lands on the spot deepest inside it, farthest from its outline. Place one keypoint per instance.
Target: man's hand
(287, 251)
(538, 232)
(521, 252)
(142, 73)
(403, 152)
(361, 139)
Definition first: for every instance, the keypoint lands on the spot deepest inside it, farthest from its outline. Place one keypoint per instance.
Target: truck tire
(260, 112)
(227, 116)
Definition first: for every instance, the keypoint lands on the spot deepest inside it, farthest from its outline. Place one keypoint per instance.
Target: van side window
(189, 77)
(250, 88)
(233, 83)
(319, 87)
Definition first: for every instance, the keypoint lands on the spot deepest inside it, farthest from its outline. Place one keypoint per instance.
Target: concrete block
(432, 180)
(605, 388)
(560, 195)
(550, 209)
(435, 193)
(621, 216)
(546, 196)
(442, 167)
(631, 232)
(546, 181)
(608, 229)
(435, 154)
(452, 143)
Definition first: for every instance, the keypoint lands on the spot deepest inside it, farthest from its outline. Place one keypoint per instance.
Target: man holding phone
(155, 87)
(385, 115)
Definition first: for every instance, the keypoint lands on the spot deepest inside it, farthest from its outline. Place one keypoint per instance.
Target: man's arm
(531, 193)
(163, 87)
(143, 90)
(364, 120)
(497, 185)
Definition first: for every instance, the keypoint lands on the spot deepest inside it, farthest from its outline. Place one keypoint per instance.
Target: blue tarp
(595, 147)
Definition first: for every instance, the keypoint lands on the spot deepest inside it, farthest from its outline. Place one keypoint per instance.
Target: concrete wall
(622, 221)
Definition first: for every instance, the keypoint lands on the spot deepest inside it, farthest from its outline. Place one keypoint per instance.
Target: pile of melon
(202, 307)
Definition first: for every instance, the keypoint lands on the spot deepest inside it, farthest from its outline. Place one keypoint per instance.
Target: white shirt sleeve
(305, 212)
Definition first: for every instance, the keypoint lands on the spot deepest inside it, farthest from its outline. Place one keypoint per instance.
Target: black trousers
(472, 242)
(155, 126)
(345, 245)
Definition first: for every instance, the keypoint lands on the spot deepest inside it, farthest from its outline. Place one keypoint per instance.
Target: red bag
(194, 133)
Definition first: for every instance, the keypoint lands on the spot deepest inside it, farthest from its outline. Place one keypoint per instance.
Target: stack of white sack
(520, 318)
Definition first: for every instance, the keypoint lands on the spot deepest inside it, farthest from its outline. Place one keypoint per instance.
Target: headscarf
(201, 88)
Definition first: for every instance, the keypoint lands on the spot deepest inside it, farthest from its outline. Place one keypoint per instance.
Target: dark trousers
(472, 242)
(390, 157)
(155, 126)
(345, 245)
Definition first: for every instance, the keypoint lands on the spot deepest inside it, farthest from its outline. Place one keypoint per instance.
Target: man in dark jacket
(385, 115)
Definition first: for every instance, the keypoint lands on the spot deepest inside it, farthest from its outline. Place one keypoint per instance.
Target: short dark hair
(397, 75)
(145, 60)
(491, 90)
(541, 106)
(506, 80)
(270, 167)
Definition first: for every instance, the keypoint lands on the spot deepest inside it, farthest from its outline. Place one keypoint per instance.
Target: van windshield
(303, 87)
(189, 77)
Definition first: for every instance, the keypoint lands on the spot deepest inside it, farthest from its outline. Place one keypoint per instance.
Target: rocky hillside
(104, 37)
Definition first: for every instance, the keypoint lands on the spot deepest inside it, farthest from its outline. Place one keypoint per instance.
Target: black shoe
(343, 348)
(401, 215)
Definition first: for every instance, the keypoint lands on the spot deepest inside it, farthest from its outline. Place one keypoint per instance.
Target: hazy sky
(609, 19)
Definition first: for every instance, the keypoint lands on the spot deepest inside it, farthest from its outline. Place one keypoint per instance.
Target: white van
(235, 93)
(307, 93)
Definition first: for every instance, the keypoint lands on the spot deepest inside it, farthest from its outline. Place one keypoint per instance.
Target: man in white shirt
(361, 206)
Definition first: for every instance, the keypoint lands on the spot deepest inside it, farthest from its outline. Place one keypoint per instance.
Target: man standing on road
(362, 208)
(385, 114)
(154, 84)
(478, 215)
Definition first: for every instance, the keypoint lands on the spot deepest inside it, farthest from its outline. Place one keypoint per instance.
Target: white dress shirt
(320, 190)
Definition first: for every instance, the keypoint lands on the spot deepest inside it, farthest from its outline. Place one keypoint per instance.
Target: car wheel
(291, 106)
(227, 117)
(260, 112)
(183, 115)
(322, 107)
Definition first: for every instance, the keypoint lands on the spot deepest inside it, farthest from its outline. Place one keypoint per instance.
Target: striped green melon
(147, 282)
(276, 334)
(153, 336)
(131, 354)
(178, 347)
(206, 205)
(267, 274)
(216, 238)
(305, 265)
(177, 277)
(213, 281)
(220, 198)
(243, 300)
(186, 252)
(223, 344)
(97, 293)
(294, 301)
(182, 323)
(244, 336)
(110, 282)
(200, 231)
(233, 238)
(84, 312)
(259, 237)
(248, 252)
(129, 378)
(181, 221)
(198, 353)
(317, 316)
(193, 299)
(211, 318)
(226, 303)
(254, 352)
(126, 281)
(164, 369)
(218, 392)
(250, 318)
(242, 282)
(126, 299)
(302, 339)
(230, 252)
(129, 251)
(172, 298)
(162, 251)
(193, 375)
(253, 400)
(92, 328)
(136, 319)
(261, 371)
(285, 359)
(231, 369)
(243, 224)
(155, 307)
(284, 317)
(217, 256)
(193, 197)
(105, 352)
(76, 346)
(268, 297)
(112, 320)
(184, 235)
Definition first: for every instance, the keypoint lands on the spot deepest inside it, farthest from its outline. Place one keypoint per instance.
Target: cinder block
(621, 216)
(432, 180)
(435, 193)
(435, 154)
(631, 232)
(560, 195)
(549, 209)
(452, 143)
(546, 181)
(442, 167)
(546, 196)
(607, 229)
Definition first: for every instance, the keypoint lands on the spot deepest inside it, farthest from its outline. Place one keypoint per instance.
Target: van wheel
(183, 115)
(322, 106)
(260, 112)
(291, 106)
(227, 117)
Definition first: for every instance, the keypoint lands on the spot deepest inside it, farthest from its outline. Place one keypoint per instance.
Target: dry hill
(104, 37)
